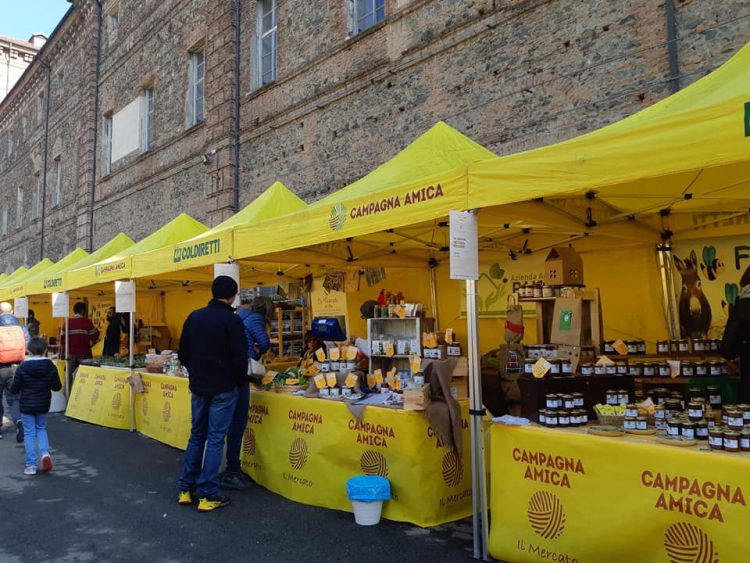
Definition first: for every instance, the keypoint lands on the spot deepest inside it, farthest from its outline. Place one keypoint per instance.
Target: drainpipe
(96, 123)
(236, 132)
(674, 70)
(43, 197)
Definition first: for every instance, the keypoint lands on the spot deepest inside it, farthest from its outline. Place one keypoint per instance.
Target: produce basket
(288, 389)
(609, 420)
(155, 363)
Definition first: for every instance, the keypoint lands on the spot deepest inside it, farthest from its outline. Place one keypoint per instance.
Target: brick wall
(512, 75)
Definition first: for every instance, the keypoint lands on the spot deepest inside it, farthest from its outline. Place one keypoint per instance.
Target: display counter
(306, 449)
(101, 396)
(566, 495)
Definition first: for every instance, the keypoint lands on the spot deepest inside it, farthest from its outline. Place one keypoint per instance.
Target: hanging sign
(464, 248)
(60, 305)
(125, 296)
(21, 307)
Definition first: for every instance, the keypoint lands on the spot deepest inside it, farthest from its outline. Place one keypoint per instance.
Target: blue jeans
(35, 433)
(6, 378)
(237, 429)
(211, 418)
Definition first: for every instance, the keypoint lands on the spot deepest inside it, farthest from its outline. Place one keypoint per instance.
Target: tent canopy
(693, 168)
(425, 180)
(119, 266)
(214, 245)
(15, 287)
(51, 278)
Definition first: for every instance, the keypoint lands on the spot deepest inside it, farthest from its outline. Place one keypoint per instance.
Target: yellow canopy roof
(119, 266)
(15, 274)
(425, 180)
(215, 245)
(688, 154)
(3, 277)
(50, 279)
(16, 286)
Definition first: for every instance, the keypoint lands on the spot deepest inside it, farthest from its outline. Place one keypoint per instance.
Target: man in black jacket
(736, 341)
(214, 351)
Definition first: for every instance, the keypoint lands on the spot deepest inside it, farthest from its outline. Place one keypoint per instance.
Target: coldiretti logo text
(411, 197)
(116, 267)
(55, 282)
(196, 250)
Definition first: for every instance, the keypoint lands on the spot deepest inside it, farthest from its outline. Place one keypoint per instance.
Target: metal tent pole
(131, 354)
(433, 296)
(664, 257)
(68, 374)
(476, 415)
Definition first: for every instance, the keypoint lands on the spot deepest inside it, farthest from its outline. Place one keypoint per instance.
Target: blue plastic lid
(368, 488)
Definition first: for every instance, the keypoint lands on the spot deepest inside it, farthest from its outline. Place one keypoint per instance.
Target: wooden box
(417, 399)
(563, 266)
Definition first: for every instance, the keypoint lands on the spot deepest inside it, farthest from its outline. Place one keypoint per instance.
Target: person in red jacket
(82, 335)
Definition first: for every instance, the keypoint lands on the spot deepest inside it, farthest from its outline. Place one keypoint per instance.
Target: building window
(147, 118)
(267, 41)
(107, 145)
(5, 220)
(57, 196)
(19, 208)
(367, 13)
(36, 196)
(113, 19)
(195, 99)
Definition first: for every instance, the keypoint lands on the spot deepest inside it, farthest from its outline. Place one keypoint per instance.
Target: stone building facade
(15, 57)
(148, 108)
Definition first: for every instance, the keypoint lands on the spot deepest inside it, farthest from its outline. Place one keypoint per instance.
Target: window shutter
(189, 96)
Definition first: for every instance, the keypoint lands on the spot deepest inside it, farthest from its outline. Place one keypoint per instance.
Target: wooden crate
(417, 399)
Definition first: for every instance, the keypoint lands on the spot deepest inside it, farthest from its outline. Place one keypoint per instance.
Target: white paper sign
(231, 270)
(21, 307)
(464, 246)
(125, 296)
(60, 305)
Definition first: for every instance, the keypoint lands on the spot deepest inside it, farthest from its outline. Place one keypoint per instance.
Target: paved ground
(111, 498)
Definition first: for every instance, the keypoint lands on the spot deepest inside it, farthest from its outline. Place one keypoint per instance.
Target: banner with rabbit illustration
(708, 274)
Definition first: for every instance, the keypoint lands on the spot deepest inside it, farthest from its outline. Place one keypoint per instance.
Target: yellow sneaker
(185, 498)
(207, 504)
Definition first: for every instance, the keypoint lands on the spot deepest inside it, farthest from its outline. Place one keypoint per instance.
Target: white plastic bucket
(367, 513)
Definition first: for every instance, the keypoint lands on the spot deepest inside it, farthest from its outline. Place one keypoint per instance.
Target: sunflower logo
(453, 469)
(338, 217)
(546, 515)
(144, 405)
(686, 543)
(298, 454)
(94, 397)
(166, 412)
(374, 463)
(117, 401)
(248, 444)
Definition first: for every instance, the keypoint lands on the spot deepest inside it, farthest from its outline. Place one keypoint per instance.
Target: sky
(21, 18)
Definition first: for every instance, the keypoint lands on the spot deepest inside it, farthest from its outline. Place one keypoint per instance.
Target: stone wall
(511, 74)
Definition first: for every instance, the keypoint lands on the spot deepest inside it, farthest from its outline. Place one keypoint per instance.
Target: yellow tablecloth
(564, 495)
(61, 366)
(162, 411)
(101, 396)
(306, 449)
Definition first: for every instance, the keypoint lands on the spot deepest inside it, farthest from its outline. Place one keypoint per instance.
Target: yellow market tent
(14, 275)
(119, 266)
(15, 287)
(425, 180)
(51, 278)
(215, 245)
(114, 246)
(686, 156)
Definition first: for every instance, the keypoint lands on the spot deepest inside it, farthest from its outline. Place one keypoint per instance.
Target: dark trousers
(237, 429)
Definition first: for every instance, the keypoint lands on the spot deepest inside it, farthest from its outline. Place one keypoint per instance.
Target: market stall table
(101, 396)
(306, 449)
(566, 495)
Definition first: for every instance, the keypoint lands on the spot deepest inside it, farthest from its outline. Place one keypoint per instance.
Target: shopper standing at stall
(82, 335)
(32, 324)
(255, 316)
(116, 326)
(13, 344)
(736, 341)
(213, 348)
